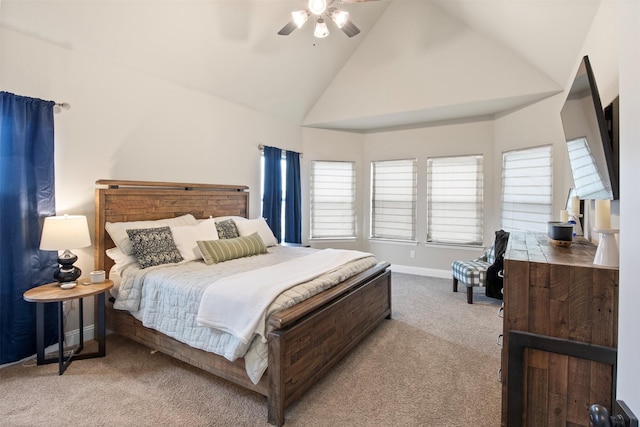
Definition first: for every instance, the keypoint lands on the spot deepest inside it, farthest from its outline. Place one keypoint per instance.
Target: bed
(305, 341)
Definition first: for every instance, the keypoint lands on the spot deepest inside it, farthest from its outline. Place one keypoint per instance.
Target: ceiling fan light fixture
(300, 17)
(321, 31)
(317, 7)
(340, 17)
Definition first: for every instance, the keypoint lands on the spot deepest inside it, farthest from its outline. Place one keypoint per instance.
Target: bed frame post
(275, 398)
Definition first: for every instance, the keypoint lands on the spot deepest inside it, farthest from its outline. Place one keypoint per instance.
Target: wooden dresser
(556, 303)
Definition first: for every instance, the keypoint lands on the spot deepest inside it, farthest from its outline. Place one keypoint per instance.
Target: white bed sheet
(169, 298)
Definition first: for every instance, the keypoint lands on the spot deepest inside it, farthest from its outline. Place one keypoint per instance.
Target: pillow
(118, 230)
(227, 229)
(233, 217)
(120, 259)
(260, 226)
(187, 236)
(215, 251)
(154, 246)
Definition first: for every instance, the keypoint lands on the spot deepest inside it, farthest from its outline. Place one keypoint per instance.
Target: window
(333, 200)
(281, 193)
(454, 198)
(527, 189)
(393, 199)
(283, 174)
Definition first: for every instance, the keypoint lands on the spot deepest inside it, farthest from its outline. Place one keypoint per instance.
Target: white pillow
(120, 259)
(186, 237)
(118, 230)
(259, 225)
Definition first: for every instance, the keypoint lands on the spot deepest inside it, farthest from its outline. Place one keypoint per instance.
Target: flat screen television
(590, 138)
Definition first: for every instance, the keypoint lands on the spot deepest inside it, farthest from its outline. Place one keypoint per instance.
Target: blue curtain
(293, 206)
(27, 195)
(272, 197)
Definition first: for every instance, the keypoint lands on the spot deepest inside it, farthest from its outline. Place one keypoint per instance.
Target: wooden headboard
(118, 201)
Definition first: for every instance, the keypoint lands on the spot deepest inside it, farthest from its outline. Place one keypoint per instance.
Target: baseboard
(421, 271)
(72, 338)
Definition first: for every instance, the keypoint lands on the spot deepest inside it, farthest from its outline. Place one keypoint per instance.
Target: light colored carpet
(433, 364)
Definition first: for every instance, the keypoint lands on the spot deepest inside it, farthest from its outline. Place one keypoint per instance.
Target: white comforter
(238, 304)
(167, 298)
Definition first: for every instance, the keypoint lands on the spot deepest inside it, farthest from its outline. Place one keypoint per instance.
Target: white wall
(333, 146)
(536, 125)
(629, 337)
(444, 139)
(126, 125)
(540, 123)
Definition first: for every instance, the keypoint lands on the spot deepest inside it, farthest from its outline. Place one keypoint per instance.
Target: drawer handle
(501, 311)
(499, 375)
(501, 274)
(499, 340)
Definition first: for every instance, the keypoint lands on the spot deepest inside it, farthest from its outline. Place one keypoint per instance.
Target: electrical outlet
(412, 254)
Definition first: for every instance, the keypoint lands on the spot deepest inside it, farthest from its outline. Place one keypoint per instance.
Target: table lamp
(64, 233)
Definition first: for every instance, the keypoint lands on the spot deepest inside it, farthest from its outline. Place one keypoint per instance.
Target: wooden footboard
(308, 339)
(307, 347)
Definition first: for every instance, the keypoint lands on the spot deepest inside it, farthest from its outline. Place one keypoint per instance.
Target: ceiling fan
(321, 11)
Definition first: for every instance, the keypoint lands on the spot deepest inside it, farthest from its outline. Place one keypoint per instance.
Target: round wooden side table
(52, 292)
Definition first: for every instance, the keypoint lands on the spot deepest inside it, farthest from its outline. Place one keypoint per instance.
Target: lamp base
(607, 253)
(67, 275)
(67, 271)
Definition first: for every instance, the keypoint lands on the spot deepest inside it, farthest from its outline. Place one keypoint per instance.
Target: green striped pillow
(215, 251)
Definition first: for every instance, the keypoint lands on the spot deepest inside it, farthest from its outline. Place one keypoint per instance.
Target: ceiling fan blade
(287, 29)
(350, 29)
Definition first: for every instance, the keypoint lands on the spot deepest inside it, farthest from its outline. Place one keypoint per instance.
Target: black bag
(493, 287)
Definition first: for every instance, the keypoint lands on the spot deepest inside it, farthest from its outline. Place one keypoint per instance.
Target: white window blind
(393, 199)
(455, 199)
(333, 200)
(527, 189)
(586, 177)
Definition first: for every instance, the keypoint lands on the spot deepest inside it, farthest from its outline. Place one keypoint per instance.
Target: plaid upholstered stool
(472, 273)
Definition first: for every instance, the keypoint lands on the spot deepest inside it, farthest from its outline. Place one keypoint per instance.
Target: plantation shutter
(527, 189)
(393, 199)
(455, 199)
(333, 200)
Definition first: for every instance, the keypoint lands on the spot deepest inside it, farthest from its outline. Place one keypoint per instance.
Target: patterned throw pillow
(118, 230)
(227, 229)
(215, 251)
(154, 246)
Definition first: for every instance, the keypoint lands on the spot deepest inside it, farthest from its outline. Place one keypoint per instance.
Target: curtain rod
(59, 106)
(261, 147)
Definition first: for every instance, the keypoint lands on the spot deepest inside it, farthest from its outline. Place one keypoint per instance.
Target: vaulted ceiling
(415, 61)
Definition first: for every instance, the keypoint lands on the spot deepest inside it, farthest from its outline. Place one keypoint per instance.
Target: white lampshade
(340, 17)
(65, 232)
(300, 17)
(321, 30)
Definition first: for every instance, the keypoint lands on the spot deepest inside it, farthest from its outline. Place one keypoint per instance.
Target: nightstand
(52, 292)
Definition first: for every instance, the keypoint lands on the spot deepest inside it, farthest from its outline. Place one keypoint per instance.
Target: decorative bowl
(560, 231)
